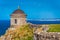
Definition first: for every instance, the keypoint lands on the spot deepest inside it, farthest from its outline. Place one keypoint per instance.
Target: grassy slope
(54, 28)
(24, 33)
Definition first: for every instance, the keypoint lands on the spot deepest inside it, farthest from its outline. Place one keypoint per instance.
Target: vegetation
(23, 33)
(54, 28)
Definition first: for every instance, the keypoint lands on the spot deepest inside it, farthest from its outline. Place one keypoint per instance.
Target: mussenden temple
(18, 17)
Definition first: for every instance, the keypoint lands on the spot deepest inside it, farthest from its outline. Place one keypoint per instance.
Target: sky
(35, 9)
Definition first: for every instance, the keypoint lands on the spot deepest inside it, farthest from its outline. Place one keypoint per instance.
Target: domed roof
(18, 11)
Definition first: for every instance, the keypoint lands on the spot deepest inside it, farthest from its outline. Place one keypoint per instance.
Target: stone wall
(47, 36)
(20, 21)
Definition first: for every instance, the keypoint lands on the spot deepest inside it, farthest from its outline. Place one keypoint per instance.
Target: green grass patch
(54, 28)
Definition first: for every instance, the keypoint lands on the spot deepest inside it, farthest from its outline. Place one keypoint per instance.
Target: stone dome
(18, 11)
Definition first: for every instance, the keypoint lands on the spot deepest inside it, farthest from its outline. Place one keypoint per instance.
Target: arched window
(15, 21)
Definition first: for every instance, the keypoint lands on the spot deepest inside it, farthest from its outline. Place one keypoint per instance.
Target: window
(15, 21)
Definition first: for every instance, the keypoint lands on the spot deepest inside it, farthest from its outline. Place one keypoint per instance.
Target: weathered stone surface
(47, 36)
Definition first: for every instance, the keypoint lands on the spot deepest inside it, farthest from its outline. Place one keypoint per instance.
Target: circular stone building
(18, 17)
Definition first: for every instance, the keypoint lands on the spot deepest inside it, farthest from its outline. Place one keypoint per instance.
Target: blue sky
(35, 9)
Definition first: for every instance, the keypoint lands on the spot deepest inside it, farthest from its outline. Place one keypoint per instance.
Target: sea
(5, 24)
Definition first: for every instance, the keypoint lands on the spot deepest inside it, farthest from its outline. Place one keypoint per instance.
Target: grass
(24, 33)
(54, 28)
